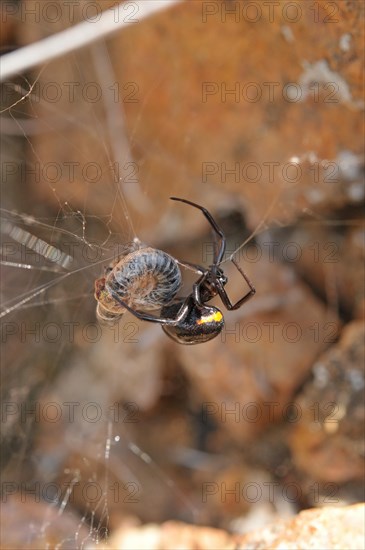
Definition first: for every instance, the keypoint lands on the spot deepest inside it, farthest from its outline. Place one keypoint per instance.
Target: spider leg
(195, 267)
(224, 296)
(146, 317)
(196, 294)
(219, 255)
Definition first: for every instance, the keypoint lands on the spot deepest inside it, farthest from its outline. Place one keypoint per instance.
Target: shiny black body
(200, 324)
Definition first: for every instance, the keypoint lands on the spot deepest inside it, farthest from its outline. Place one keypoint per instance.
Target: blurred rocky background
(254, 110)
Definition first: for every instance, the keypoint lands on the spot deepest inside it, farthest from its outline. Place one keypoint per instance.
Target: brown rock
(171, 535)
(332, 261)
(174, 131)
(245, 379)
(327, 442)
(325, 529)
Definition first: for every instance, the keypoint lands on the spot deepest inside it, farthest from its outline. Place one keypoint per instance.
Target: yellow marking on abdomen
(217, 316)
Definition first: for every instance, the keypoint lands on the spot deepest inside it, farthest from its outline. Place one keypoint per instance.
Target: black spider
(189, 320)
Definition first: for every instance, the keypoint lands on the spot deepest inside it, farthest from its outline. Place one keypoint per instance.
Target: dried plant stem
(78, 36)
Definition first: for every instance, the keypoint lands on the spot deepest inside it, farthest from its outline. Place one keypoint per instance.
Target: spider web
(69, 174)
(77, 192)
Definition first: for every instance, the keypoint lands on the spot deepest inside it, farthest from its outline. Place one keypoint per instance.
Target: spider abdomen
(146, 278)
(201, 324)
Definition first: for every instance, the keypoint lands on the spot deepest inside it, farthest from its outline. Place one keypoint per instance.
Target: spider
(151, 278)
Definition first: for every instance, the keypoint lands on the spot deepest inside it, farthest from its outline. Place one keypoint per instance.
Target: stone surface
(195, 407)
(328, 440)
(331, 261)
(183, 138)
(246, 378)
(326, 529)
